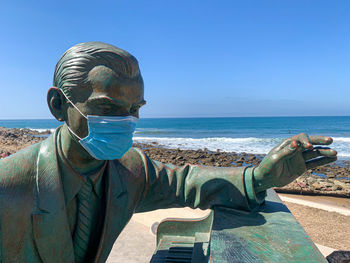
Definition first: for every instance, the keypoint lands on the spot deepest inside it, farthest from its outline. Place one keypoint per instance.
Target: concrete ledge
(329, 208)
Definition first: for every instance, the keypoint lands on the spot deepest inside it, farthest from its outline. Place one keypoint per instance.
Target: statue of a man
(67, 198)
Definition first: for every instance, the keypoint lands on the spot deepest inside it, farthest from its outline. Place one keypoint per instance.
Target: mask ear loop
(77, 110)
(74, 133)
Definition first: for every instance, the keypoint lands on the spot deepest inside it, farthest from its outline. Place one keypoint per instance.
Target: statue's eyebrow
(107, 100)
(114, 102)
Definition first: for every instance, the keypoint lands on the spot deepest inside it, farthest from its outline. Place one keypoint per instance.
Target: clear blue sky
(197, 57)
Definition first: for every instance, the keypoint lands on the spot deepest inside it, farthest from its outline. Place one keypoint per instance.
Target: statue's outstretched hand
(291, 159)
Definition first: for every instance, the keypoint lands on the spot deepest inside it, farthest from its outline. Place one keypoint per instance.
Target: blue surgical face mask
(109, 138)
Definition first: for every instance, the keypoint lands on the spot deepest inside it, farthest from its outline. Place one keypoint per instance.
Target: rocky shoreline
(13, 139)
(332, 179)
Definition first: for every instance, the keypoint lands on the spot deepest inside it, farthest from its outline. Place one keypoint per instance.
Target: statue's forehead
(102, 77)
(105, 81)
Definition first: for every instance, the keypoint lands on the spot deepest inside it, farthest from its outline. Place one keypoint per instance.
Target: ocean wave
(253, 145)
(41, 130)
(249, 145)
(341, 139)
(342, 146)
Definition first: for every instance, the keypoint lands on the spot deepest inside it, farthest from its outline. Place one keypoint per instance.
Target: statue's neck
(75, 154)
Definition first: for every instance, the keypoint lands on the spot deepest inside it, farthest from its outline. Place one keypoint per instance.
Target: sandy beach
(326, 228)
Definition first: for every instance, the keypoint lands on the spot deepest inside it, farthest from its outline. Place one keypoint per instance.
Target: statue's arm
(241, 188)
(195, 186)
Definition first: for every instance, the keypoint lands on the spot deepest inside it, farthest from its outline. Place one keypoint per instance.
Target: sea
(255, 135)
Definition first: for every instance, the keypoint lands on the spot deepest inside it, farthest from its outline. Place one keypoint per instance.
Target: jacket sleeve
(195, 186)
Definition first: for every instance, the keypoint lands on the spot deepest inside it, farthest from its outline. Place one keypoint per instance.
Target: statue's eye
(105, 109)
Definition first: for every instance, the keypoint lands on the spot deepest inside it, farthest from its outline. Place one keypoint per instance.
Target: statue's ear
(56, 104)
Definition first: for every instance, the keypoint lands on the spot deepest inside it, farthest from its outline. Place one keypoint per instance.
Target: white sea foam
(42, 130)
(342, 146)
(249, 145)
(341, 139)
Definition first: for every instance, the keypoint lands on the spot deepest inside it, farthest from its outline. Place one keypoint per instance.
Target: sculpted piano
(271, 234)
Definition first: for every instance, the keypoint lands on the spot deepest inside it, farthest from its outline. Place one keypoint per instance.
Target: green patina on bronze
(271, 234)
(100, 79)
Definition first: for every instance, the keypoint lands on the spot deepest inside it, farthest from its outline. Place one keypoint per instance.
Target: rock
(316, 186)
(3, 155)
(337, 187)
(252, 158)
(12, 140)
(301, 184)
(330, 175)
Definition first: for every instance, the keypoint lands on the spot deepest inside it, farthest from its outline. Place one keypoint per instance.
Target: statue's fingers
(303, 141)
(288, 151)
(271, 159)
(317, 152)
(319, 161)
(282, 145)
(321, 140)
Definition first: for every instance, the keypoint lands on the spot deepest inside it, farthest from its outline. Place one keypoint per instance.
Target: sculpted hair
(75, 64)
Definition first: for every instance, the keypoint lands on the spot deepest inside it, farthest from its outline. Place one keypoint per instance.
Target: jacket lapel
(115, 217)
(50, 224)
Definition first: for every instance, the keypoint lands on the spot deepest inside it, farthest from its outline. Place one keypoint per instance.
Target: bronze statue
(67, 198)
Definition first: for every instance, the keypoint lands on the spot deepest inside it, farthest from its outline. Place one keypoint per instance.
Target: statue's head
(99, 79)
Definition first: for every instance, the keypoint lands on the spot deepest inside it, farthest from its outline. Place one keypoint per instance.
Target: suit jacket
(33, 219)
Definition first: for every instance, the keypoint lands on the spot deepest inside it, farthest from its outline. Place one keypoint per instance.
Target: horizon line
(203, 117)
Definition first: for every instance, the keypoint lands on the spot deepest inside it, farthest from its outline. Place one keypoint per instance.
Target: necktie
(84, 222)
